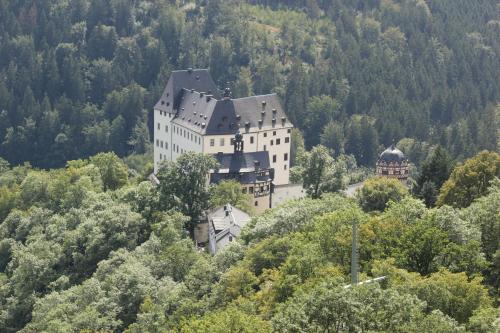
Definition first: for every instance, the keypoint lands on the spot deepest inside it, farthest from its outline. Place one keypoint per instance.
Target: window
(158, 126)
(230, 238)
(287, 139)
(278, 141)
(289, 130)
(157, 143)
(265, 134)
(274, 133)
(166, 128)
(161, 156)
(161, 144)
(250, 189)
(244, 190)
(284, 168)
(274, 158)
(251, 139)
(166, 145)
(272, 142)
(212, 142)
(285, 157)
(221, 142)
(265, 147)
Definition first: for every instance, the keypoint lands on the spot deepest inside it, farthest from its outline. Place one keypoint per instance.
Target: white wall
(185, 140)
(261, 141)
(267, 139)
(162, 137)
(171, 140)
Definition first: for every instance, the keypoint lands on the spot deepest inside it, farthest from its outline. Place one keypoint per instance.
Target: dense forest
(95, 247)
(89, 244)
(78, 77)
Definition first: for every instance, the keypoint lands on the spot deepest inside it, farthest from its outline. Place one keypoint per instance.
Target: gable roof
(195, 98)
(234, 221)
(207, 115)
(190, 79)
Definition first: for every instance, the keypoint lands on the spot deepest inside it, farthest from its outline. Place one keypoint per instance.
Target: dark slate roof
(241, 167)
(238, 161)
(210, 116)
(196, 79)
(392, 155)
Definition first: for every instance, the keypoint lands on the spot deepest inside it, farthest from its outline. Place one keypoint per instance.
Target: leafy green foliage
(77, 258)
(184, 185)
(230, 192)
(320, 174)
(377, 192)
(434, 172)
(230, 319)
(470, 180)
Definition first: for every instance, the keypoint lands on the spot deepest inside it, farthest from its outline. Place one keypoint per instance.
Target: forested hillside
(80, 76)
(94, 248)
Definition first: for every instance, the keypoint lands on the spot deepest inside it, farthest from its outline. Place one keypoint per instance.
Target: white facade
(187, 118)
(172, 139)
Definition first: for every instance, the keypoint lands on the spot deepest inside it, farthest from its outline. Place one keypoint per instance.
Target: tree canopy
(470, 180)
(76, 255)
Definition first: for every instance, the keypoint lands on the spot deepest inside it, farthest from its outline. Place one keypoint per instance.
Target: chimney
(209, 97)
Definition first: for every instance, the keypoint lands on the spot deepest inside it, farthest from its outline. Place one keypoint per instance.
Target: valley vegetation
(95, 247)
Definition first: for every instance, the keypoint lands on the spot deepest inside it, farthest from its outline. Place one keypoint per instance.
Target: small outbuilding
(392, 163)
(224, 226)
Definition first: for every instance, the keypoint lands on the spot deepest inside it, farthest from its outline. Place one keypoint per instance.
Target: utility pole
(354, 254)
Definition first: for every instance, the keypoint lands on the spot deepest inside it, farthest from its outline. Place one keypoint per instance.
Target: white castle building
(193, 115)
